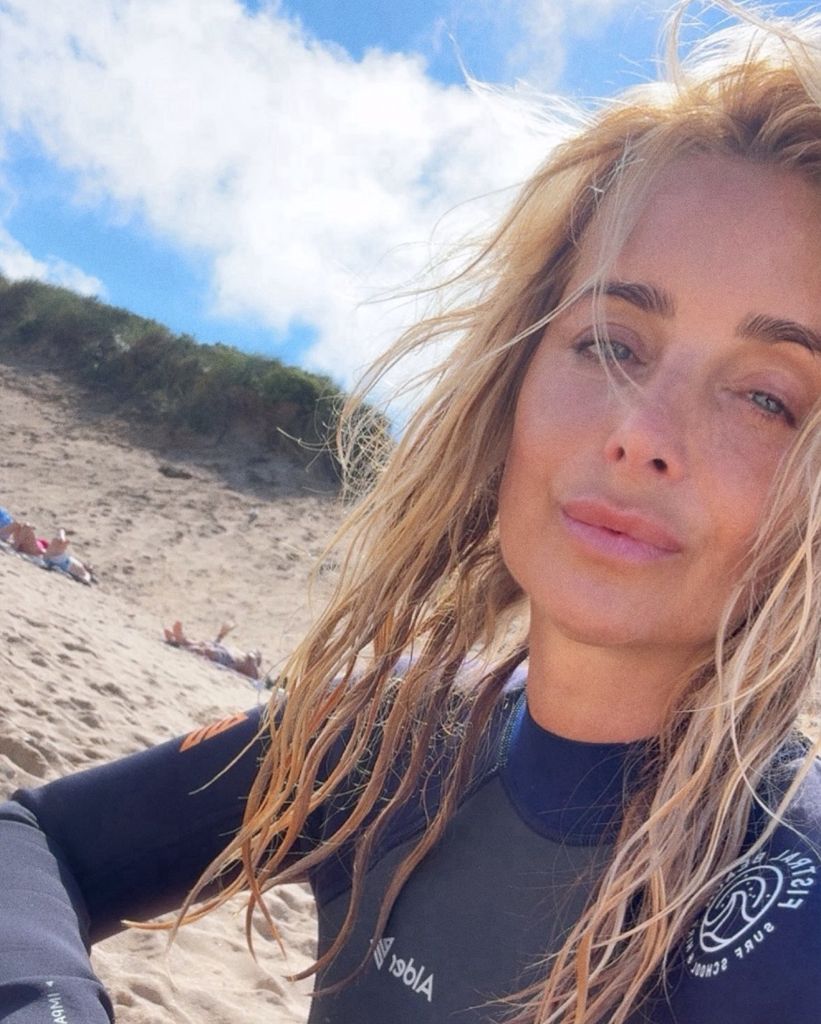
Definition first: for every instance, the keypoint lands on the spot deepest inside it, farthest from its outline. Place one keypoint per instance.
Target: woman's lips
(624, 534)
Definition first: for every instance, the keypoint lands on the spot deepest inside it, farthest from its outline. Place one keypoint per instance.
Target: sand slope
(86, 677)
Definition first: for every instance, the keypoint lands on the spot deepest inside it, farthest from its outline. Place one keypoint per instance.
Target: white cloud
(535, 37)
(306, 179)
(17, 263)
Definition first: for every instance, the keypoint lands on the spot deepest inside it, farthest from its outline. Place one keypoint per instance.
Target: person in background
(56, 556)
(53, 553)
(247, 663)
(22, 537)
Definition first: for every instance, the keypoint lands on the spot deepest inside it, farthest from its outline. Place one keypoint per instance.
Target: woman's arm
(125, 840)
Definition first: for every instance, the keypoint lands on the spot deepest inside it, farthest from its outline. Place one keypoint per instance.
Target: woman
(247, 663)
(613, 491)
(22, 538)
(57, 556)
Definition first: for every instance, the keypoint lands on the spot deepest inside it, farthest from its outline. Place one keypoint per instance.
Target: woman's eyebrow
(760, 327)
(647, 297)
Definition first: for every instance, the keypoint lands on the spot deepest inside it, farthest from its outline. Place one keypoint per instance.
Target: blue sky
(253, 172)
(597, 57)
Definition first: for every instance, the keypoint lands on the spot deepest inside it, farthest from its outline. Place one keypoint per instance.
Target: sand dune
(174, 529)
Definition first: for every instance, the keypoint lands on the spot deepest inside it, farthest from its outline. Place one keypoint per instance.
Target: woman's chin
(620, 626)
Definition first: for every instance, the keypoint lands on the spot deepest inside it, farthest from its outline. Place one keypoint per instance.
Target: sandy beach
(174, 528)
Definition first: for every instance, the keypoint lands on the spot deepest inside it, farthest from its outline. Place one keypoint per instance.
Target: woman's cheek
(743, 473)
(558, 408)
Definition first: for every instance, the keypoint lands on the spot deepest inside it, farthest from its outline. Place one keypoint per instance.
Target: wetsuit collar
(567, 790)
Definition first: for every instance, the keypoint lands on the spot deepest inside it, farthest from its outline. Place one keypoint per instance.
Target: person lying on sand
(247, 663)
(56, 556)
(54, 552)
(22, 538)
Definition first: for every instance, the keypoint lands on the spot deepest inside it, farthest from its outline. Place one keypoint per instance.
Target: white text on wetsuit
(406, 970)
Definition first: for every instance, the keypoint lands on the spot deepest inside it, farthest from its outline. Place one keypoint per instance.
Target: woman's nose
(648, 433)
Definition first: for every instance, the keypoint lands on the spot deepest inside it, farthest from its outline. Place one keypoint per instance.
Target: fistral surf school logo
(745, 910)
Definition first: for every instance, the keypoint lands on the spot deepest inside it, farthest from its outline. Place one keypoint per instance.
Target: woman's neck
(601, 694)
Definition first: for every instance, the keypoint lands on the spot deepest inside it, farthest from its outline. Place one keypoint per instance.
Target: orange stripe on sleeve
(206, 732)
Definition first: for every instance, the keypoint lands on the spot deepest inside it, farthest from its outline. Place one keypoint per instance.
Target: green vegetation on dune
(171, 378)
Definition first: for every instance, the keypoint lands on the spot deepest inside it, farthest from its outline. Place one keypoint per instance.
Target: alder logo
(381, 951)
(207, 731)
(416, 978)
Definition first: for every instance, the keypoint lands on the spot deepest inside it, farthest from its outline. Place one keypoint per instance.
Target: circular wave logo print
(739, 905)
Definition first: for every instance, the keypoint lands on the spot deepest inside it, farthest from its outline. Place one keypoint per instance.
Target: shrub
(171, 378)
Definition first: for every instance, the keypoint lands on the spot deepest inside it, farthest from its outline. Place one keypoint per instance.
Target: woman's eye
(605, 351)
(771, 406)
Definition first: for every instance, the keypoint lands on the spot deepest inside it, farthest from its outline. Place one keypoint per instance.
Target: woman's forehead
(707, 220)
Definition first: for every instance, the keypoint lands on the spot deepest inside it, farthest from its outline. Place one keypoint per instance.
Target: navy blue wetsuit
(509, 878)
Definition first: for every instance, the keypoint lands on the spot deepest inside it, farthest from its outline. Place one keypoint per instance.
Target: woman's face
(629, 500)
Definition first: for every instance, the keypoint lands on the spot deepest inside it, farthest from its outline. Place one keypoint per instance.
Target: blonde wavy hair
(423, 574)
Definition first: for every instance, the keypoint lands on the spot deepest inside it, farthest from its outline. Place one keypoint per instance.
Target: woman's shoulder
(804, 810)
(753, 953)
